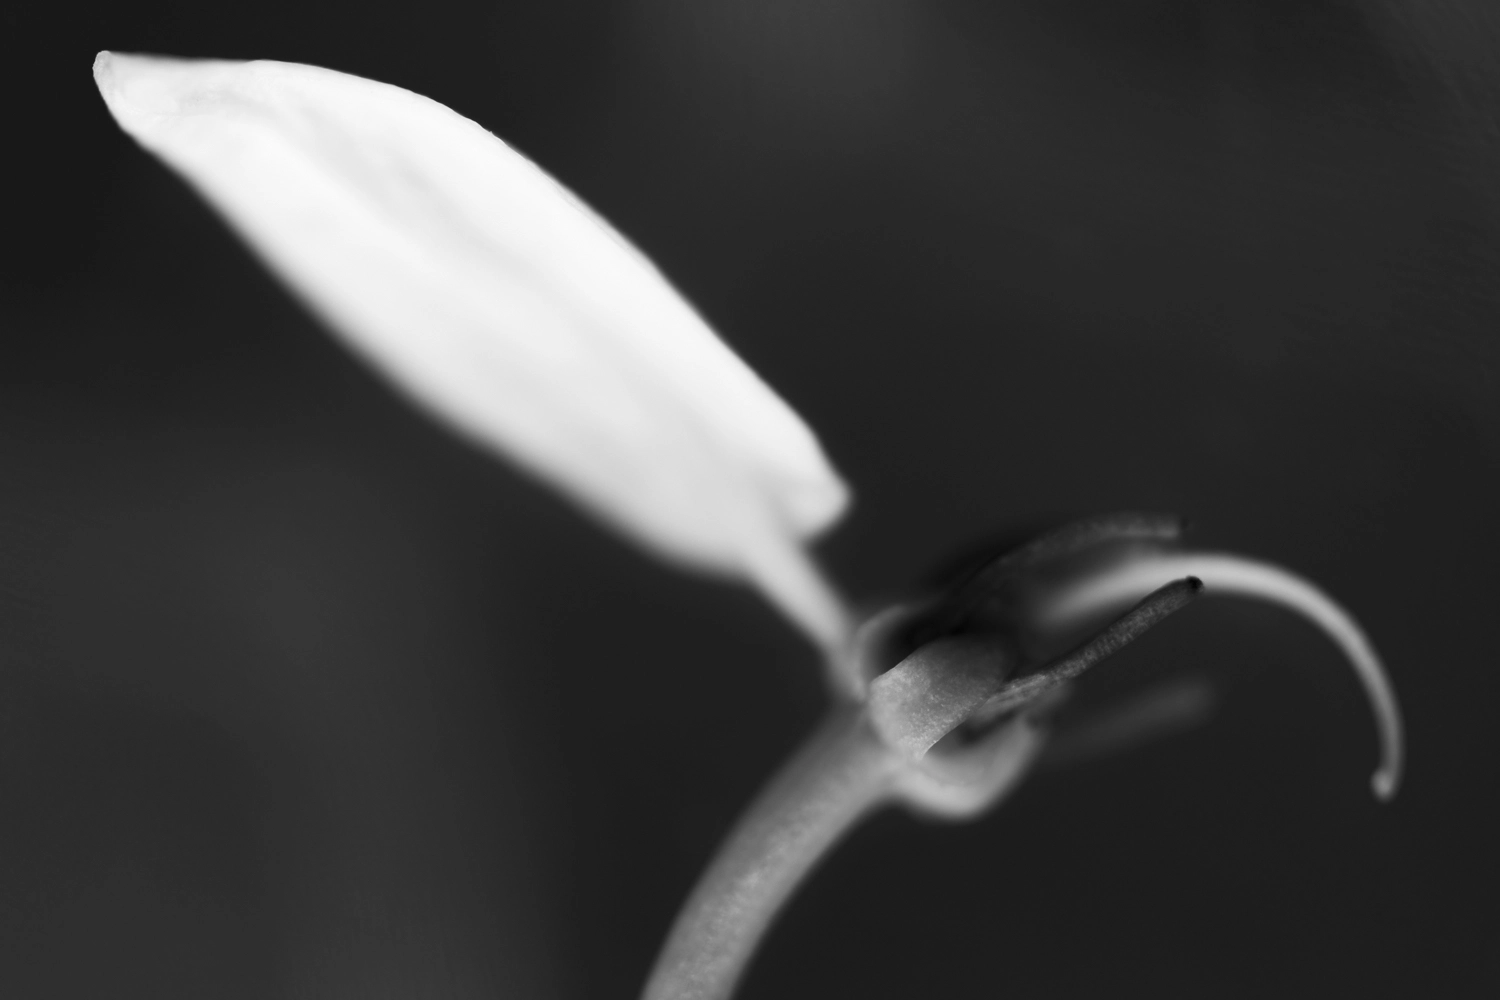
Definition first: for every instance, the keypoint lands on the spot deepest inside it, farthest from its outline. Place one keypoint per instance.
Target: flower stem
(840, 774)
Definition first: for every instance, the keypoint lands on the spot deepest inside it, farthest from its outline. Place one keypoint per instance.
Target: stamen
(1120, 633)
(1232, 574)
(1079, 536)
(994, 579)
(1165, 709)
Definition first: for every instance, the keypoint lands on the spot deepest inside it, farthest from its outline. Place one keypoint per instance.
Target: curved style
(1226, 573)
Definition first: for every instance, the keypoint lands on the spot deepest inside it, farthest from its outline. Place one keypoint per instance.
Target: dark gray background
(299, 697)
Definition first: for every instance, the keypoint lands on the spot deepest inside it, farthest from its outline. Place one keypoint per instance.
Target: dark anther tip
(1164, 600)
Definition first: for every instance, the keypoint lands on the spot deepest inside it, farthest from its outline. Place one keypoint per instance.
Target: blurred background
(299, 697)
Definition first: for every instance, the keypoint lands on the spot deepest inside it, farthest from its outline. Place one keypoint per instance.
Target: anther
(992, 583)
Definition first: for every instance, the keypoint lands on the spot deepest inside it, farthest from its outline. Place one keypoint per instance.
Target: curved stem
(839, 775)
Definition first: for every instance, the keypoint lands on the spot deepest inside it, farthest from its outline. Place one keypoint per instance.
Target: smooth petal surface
(493, 298)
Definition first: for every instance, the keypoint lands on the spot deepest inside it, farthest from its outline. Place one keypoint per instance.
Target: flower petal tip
(126, 83)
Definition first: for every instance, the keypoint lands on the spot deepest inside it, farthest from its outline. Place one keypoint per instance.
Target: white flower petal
(492, 297)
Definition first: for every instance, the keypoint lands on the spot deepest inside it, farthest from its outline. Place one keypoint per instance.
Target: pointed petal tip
(119, 77)
(105, 74)
(110, 67)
